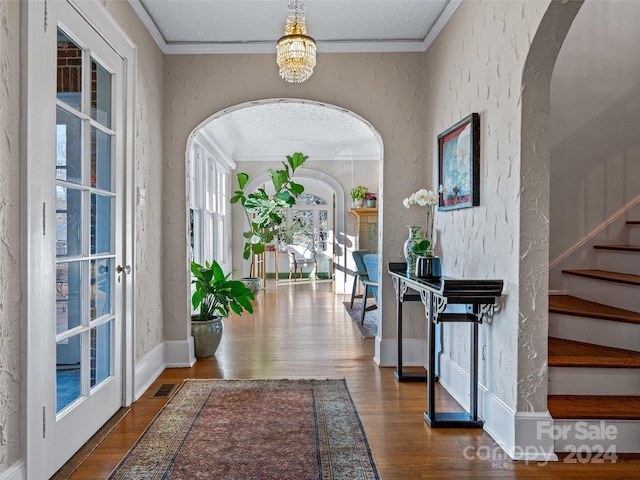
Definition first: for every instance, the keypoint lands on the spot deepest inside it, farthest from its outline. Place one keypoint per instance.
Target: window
(209, 228)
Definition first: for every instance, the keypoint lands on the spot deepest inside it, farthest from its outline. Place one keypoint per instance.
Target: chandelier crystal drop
(296, 51)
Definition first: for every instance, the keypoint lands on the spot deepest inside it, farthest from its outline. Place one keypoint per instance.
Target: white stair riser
(618, 261)
(588, 438)
(595, 330)
(609, 293)
(634, 235)
(594, 381)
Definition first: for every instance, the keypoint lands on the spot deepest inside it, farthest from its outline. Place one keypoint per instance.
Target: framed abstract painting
(459, 164)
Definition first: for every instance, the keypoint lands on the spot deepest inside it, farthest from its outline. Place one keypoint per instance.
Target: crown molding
(444, 17)
(243, 48)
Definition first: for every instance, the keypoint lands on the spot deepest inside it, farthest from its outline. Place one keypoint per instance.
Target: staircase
(594, 352)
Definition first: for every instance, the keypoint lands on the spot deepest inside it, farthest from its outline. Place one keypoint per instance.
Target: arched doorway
(343, 148)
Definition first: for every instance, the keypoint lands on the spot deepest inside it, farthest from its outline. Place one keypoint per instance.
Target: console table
(479, 296)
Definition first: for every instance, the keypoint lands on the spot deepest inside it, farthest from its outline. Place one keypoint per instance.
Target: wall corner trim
(179, 353)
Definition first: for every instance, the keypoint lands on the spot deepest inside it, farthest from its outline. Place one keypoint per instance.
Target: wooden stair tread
(568, 305)
(633, 222)
(568, 353)
(621, 248)
(626, 278)
(607, 407)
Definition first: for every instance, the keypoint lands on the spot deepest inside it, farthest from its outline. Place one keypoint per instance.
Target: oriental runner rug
(253, 429)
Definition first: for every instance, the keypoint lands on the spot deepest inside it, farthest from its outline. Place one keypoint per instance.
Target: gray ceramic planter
(206, 336)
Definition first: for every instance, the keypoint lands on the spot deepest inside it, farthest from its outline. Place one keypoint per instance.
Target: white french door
(88, 385)
(77, 168)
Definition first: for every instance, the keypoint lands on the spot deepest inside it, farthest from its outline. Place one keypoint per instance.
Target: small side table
(479, 296)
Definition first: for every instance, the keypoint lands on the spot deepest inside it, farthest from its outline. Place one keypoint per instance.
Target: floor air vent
(165, 390)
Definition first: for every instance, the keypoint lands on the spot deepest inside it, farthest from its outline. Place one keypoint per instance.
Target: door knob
(126, 269)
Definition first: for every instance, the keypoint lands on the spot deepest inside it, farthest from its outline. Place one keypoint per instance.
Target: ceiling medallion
(296, 51)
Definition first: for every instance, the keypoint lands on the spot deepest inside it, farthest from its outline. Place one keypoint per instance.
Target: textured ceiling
(265, 131)
(254, 26)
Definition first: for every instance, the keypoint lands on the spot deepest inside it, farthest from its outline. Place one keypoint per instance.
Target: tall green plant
(215, 294)
(265, 212)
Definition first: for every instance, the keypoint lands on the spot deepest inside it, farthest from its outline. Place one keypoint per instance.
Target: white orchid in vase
(428, 199)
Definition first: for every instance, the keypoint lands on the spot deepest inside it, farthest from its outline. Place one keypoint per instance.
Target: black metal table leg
(399, 375)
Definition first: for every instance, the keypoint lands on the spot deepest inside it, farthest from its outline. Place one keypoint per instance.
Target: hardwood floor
(302, 331)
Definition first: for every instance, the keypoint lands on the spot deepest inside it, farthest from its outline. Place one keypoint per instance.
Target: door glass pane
(100, 224)
(68, 371)
(323, 230)
(100, 288)
(68, 147)
(100, 94)
(100, 160)
(68, 222)
(310, 199)
(302, 228)
(68, 300)
(100, 353)
(69, 71)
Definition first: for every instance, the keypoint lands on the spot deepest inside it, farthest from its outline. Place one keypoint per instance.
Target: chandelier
(296, 51)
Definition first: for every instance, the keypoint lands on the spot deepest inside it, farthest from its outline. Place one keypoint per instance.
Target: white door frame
(39, 33)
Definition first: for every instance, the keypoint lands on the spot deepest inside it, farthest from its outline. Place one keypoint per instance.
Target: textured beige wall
(385, 89)
(10, 254)
(476, 65)
(148, 171)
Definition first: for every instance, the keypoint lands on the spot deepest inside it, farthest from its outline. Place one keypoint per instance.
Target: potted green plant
(214, 297)
(370, 199)
(357, 195)
(265, 212)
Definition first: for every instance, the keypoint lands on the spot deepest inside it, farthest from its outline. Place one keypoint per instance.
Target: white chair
(300, 257)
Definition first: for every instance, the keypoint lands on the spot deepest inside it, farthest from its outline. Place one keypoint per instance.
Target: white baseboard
(17, 471)
(413, 352)
(149, 368)
(515, 432)
(179, 353)
(170, 354)
(530, 445)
